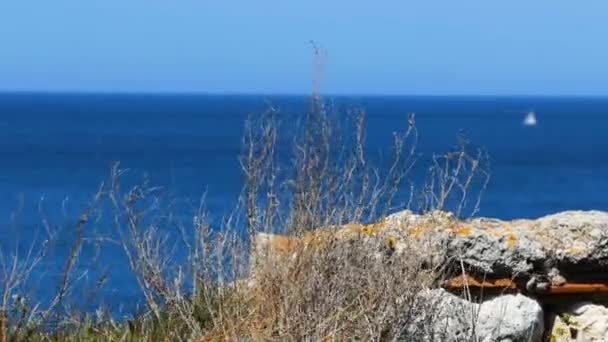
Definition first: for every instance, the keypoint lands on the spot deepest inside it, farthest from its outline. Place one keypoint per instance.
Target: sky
(404, 47)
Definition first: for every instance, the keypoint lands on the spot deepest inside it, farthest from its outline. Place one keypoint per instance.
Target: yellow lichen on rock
(368, 230)
(317, 238)
(511, 239)
(462, 230)
(417, 230)
(391, 242)
(282, 245)
(373, 228)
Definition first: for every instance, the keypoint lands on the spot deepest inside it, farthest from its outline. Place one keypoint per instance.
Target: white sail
(530, 119)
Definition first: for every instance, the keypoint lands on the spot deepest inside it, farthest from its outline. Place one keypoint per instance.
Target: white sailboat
(530, 119)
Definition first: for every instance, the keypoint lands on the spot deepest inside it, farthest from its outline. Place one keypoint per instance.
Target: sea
(57, 149)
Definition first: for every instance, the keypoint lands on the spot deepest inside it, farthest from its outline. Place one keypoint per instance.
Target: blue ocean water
(57, 148)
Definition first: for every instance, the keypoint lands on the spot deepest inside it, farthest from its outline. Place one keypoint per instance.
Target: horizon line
(285, 94)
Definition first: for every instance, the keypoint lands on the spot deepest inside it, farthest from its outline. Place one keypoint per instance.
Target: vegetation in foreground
(323, 294)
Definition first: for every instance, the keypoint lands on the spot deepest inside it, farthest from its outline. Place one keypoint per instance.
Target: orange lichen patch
(350, 230)
(496, 233)
(320, 238)
(372, 228)
(368, 230)
(416, 231)
(313, 238)
(391, 242)
(284, 245)
(579, 288)
(462, 230)
(466, 280)
(511, 239)
(419, 229)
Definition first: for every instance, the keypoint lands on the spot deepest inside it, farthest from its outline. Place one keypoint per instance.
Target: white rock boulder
(507, 318)
(581, 322)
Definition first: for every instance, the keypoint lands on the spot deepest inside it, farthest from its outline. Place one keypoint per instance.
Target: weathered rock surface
(542, 252)
(506, 318)
(581, 322)
(570, 244)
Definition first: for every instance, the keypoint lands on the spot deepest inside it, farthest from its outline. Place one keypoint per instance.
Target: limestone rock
(581, 322)
(542, 252)
(551, 247)
(505, 318)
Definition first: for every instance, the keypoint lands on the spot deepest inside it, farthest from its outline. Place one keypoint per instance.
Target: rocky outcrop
(550, 250)
(504, 318)
(536, 261)
(537, 254)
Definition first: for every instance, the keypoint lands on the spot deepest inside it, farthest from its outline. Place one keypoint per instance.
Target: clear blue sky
(529, 47)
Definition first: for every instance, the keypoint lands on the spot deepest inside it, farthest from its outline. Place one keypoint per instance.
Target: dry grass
(343, 290)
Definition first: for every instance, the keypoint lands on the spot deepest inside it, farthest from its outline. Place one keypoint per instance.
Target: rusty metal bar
(578, 287)
(466, 280)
